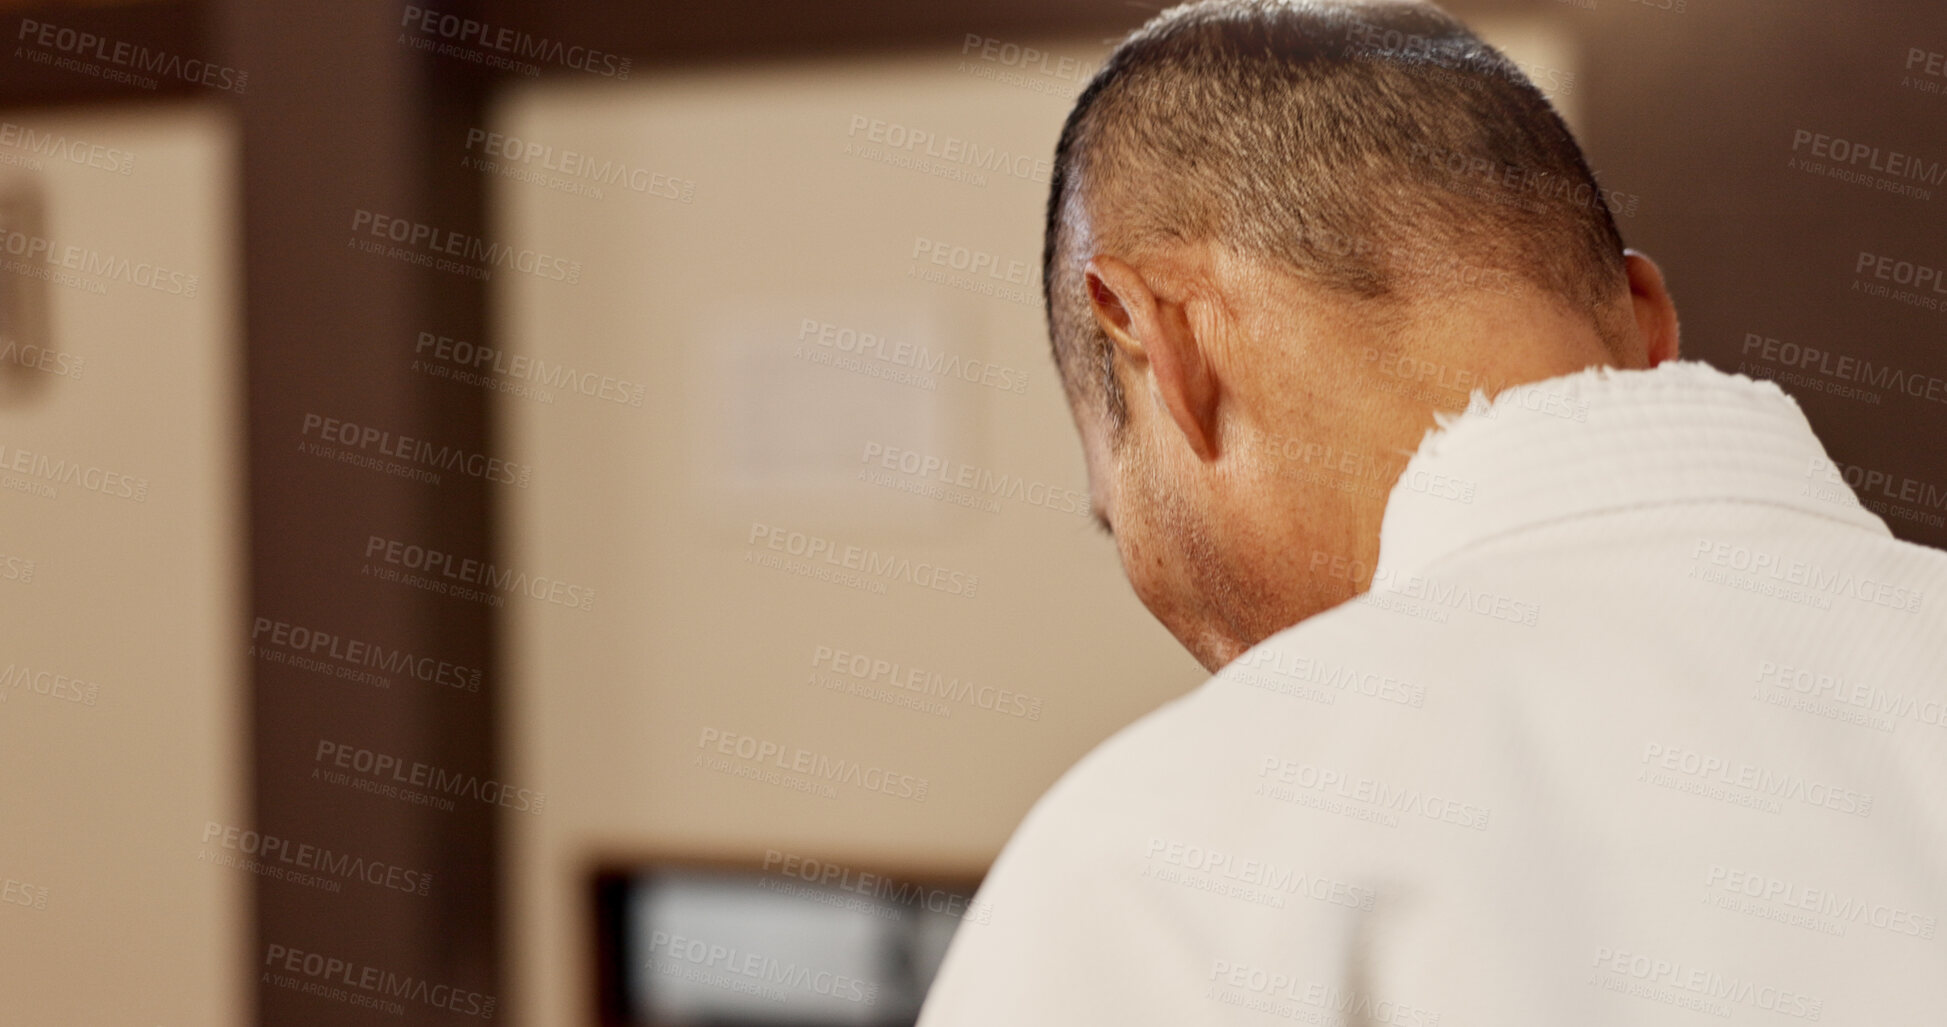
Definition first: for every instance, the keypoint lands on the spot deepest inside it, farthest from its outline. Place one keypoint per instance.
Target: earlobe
(1656, 313)
(1155, 336)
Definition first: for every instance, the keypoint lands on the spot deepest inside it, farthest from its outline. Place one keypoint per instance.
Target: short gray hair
(1355, 143)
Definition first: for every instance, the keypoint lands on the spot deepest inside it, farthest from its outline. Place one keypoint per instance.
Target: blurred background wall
(121, 580)
(742, 304)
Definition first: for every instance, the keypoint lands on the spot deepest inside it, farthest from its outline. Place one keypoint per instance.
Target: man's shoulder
(1164, 847)
(1354, 677)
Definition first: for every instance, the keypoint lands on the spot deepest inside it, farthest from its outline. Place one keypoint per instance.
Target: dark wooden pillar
(344, 120)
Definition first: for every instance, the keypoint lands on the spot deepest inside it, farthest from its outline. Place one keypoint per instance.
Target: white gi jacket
(1643, 721)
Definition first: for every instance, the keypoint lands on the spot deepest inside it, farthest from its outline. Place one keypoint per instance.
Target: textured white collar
(1602, 440)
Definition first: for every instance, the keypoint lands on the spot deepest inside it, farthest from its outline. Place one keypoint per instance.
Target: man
(1558, 681)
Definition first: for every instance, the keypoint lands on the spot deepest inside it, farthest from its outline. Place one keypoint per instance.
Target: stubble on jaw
(1220, 613)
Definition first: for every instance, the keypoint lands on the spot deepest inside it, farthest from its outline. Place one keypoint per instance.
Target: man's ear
(1656, 313)
(1155, 337)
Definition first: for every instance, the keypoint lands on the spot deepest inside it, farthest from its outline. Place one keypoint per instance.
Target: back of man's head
(1365, 145)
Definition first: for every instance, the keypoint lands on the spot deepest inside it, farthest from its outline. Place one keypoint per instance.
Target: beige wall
(112, 776)
(654, 507)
